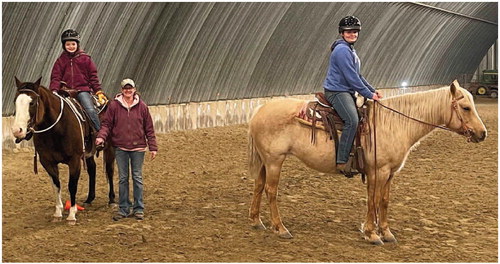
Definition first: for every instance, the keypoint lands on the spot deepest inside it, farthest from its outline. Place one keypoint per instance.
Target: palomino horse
(58, 138)
(274, 133)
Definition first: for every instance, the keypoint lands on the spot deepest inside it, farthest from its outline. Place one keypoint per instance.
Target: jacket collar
(342, 42)
(74, 54)
(121, 100)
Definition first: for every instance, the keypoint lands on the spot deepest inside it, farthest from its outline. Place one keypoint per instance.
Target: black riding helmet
(349, 23)
(68, 35)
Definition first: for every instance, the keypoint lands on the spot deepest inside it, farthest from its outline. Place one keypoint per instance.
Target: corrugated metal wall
(192, 52)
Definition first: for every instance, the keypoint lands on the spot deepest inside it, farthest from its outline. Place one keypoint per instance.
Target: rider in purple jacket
(75, 69)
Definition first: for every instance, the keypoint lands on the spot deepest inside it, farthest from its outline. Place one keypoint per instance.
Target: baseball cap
(129, 82)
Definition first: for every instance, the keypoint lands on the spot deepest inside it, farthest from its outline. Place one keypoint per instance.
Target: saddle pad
(307, 114)
(75, 107)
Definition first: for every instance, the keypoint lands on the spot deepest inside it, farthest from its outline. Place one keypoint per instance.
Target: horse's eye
(466, 108)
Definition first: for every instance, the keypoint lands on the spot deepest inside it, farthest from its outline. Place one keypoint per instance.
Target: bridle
(32, 121)
(466, 130)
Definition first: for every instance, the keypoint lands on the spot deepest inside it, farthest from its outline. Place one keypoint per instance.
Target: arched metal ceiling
(187, 52)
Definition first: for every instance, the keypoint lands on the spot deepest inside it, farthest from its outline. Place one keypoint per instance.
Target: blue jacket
(343, 73)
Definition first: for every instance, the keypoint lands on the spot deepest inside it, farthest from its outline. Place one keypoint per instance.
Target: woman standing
(129, 125)
(343, 79)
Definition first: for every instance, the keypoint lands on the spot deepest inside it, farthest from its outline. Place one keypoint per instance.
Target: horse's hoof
(112, 205)
(56, 219)
(71, 222)
(374, 240)
(377, 242)
(387, 236)
(259, 226)
(285, 235)
(86, 204)
(390, 239)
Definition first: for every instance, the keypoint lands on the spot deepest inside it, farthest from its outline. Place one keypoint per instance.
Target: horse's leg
(374, 190)
(53, 172)
(273, 170)
(109, 163)
(74, 175)
(386, 233)
(91, 169)
(260, 182)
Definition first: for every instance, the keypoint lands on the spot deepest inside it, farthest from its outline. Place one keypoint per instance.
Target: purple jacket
(128, 128)
(77, 70)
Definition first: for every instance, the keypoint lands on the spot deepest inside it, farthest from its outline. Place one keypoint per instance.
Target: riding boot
(347, 168)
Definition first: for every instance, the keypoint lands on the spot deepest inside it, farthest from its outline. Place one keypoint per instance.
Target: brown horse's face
(465, 120)
(25, 108)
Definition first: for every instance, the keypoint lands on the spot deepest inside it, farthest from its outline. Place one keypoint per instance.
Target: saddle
(70, 96)
(321, 114)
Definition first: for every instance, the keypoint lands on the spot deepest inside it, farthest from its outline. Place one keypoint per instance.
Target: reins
(33, 119)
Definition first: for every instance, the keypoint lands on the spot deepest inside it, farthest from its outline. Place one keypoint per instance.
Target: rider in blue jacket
(343, 79)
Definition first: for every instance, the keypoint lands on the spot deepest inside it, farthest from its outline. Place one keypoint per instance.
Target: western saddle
(321, 114)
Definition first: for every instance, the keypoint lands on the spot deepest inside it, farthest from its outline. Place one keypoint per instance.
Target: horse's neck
(431, 107)
(51, 105)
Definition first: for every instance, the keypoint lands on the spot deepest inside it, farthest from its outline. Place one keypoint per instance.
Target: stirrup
(349, 174)
(349, 171)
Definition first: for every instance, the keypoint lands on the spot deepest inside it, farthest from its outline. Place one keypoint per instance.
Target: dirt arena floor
(444, 207)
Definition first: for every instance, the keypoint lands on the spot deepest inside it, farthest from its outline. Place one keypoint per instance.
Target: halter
(32, 121)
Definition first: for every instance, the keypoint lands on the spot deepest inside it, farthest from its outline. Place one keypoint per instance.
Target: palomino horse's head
(27, 110)
(464, 118)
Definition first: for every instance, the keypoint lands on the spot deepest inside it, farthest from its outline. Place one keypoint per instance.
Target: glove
(101, 98)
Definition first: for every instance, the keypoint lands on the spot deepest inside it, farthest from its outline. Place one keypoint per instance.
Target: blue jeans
(344, 104)
(135, 159)
(86, 101)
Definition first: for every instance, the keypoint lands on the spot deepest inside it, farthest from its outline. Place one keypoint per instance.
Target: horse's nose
(17, 132)
(482, 135)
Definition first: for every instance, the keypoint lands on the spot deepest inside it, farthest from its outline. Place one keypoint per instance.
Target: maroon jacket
(77, 70)
(128, 128)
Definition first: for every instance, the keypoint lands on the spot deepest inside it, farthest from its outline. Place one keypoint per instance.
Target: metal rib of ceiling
(188, 52)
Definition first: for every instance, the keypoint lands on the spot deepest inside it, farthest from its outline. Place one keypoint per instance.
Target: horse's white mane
(427, 106)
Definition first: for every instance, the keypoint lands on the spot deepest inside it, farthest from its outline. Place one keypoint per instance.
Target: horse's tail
(254, 160)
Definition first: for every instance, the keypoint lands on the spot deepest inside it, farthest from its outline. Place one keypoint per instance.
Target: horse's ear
(18, 83)
(453, 87)
(37, 83)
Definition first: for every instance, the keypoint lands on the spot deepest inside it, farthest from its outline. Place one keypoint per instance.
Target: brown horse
(58, 137)
(274, 133)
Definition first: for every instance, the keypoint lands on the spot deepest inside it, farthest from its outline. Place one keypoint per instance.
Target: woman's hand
(99, 141)
(377, 95)
(153, 155)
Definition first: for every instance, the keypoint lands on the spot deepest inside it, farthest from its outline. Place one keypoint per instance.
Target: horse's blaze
(22, 116)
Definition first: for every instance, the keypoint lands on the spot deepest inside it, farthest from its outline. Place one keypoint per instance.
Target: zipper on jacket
(72, 74)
